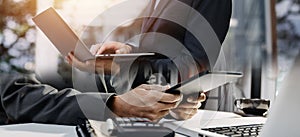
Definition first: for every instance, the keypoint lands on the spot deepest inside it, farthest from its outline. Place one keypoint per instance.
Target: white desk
(203, 118)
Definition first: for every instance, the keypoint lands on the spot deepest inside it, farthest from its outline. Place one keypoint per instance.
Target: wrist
(174, 115)
(129, 48)
(133, 47)
(116, 105)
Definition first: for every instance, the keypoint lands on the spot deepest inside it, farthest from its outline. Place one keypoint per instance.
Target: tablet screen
(61, 35)
(205, 81)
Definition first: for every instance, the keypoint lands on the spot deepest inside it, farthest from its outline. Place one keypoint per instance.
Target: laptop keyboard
(238, 131)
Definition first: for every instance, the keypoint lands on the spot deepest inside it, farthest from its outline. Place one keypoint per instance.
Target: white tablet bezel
(204, 81)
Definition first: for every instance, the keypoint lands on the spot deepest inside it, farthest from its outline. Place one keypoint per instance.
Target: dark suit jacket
(181, 30)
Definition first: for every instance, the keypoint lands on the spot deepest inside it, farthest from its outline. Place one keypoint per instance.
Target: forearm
(26, 100)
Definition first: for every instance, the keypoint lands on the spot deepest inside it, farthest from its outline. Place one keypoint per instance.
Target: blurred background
(262, 42)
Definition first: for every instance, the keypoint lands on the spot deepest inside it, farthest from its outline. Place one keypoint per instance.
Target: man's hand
(188, 108)
(98, 64)
(146, 101)
(111, 47)
(95, 65)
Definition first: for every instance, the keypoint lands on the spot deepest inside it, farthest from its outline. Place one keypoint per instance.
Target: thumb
(119, 51)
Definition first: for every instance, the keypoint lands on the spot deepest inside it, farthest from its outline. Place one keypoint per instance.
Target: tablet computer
(61, 35)
(133, 55)
(65, 39)
(204, 81)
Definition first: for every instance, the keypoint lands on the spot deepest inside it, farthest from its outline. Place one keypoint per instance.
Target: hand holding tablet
(76, 52)
(65, 39)
(204, 81)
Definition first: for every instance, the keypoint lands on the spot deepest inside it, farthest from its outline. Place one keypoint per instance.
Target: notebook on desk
(283, 117)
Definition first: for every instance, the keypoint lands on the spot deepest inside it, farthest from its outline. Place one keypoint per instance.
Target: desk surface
(204, 118)
(37, 130)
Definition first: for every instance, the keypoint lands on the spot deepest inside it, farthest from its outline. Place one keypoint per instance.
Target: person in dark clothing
(185, 34)
(25, 99)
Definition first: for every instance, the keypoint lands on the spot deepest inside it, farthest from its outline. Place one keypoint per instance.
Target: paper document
(37, 130)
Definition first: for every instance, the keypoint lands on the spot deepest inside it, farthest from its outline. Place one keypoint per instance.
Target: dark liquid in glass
(254, 111)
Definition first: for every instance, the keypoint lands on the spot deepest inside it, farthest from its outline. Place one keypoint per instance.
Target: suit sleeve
(192, 58)
(24, 99)
(218, 14)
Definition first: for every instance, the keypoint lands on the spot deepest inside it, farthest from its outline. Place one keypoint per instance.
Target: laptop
(283, 117)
